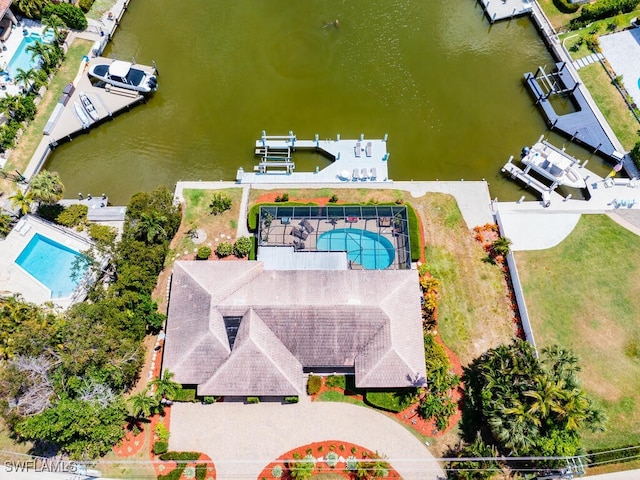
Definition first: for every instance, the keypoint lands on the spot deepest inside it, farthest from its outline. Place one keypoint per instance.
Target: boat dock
(496, 10)
(582, 125)
(66, 122)
(353, 161)
(523, 176)
(99, 209)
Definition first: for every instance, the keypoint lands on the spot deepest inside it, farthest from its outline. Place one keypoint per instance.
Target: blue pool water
(22, 59)
(51, 264)
(372, 251)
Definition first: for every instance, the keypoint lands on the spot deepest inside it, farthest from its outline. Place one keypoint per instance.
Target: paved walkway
(622, 51)
(242, 439)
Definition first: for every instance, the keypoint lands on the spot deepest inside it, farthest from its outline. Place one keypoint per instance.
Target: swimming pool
(371, 250)
(51, 264)
(22, 58)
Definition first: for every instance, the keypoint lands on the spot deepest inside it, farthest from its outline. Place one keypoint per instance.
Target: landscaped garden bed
(342, 459)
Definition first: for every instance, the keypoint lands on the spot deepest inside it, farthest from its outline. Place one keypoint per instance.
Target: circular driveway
(242, 439)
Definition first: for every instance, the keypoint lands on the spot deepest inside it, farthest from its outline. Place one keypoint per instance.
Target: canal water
(443, 83)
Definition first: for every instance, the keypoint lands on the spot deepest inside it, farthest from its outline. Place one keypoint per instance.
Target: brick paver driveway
(243, 439)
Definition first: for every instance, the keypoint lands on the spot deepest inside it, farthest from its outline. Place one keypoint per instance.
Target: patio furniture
(368, 149)
(357, 149)
(301, 234)
(306, 225)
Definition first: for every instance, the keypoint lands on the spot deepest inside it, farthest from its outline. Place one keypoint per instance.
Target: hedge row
(565, 6)
(392, 401)
(185, 395)
(414, 233)
(605, 9)
(180, 456)
(619, 455)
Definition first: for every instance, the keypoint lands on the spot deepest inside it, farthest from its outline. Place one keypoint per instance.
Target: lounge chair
(25, 229)
(373, 175)
(363, 174)
(301, 234)
(298, 245)
(356, 174)
(368, 149)
(306, 225)
(357, 149)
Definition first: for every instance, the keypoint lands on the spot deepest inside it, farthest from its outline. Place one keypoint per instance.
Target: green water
(444, 84)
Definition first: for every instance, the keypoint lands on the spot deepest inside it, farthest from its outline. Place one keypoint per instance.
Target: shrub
(277, 471)
(332, 459)
(224, 249)
(336, 381)
(333, 198)
(253, 400)
(291, 400)
(203, 253)
(185, 395)
(208, 400)
(220, 204)
(313, 384)
(352, 462)
(242, 247)
(635, 154)
(85, 5)
(50, 212)
(162, 432)
(160, 447)
(282, 198)
(414, 233)
(606, 9)
(180, 456)
(72, 16)
(102, 233)
(73, 215)
(254, 248)
(565, 6)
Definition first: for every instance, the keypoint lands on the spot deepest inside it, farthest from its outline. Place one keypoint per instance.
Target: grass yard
(611, 103)
(583, 294)
(24, 150)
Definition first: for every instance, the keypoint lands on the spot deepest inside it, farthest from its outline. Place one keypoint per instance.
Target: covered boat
(124, 75)
(553, 164)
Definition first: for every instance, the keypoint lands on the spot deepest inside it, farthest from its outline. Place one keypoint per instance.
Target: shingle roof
(4, 6)
(367, 320)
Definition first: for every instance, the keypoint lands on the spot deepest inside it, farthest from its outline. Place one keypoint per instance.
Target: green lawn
(335, 396)
(583, 294)
(611, 104)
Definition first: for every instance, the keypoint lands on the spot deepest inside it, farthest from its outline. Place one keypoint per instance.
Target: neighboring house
(236, 329)
(7, 19)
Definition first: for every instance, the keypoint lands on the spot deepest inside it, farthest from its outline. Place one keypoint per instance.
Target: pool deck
(13, 279)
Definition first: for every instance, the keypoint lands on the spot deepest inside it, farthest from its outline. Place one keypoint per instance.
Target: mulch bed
(319, 450)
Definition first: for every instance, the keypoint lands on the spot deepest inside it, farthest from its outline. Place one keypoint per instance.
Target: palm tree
(54, 23)
(30, 8)
(501, 246)
(25, 77)
(142, 404)
(46, 187)
(5, 224)
(165, 387)
(151, 227)
(561, 364)
(40, 50)
(547, 398)
(22, 202)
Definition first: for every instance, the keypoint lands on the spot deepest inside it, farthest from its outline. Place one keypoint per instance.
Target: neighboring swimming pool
(371, 250)
(51, 264)
(22, 58)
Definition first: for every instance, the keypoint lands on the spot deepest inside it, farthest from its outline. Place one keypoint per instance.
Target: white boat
(124, 75)
(82, 115)
(553, 164)
(89, 106)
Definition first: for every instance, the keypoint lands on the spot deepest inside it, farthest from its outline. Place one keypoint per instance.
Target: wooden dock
(359, 160)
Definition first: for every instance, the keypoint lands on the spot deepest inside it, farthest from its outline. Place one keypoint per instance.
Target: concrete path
(537, 230)
(622, 51)
(242, 439)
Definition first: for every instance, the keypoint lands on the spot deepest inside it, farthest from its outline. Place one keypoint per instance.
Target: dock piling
(317, 140)
(361, 137)
(337, 137)
(386, 135)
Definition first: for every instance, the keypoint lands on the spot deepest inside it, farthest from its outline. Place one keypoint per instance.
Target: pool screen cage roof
(300, 227)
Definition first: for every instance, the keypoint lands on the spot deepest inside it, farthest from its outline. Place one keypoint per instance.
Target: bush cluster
(85, 5)
(73, 215)
(313, 384)
(220, 204)
(565, 6)
(203, 253)
(635, 154)
(160, 447)
(603, 9)
(72, 16)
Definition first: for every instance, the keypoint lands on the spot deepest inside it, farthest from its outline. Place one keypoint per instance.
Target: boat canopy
(119, 68)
